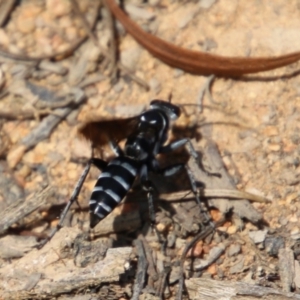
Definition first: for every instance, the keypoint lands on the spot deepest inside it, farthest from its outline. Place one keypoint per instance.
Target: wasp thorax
(136, 151)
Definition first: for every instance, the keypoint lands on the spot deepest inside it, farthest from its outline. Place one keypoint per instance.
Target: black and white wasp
(146, 136)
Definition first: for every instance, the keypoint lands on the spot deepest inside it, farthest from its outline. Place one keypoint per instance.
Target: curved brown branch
(198, 62)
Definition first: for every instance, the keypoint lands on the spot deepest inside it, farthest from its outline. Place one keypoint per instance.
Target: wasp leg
(148, 186)
(191, 150)
(116, 148)
(203, 209)
(172, 170)
(100, 164)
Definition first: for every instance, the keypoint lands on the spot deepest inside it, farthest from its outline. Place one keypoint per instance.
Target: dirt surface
(254, 121)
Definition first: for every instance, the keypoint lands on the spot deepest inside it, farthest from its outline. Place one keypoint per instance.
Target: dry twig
(141, 270)
(22, 208)
(107, 54)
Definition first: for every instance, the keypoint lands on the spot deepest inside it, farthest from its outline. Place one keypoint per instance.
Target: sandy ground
(254, 120)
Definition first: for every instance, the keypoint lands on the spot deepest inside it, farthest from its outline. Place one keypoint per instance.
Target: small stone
(128, 110)
(238, 267)
(296, 237)
(136, 12)
(293, 218)
(57, 42)
(84, 6)
(4, 39)
(185, 19)
(180, 244)
(154, 2)
(234, 249)
(24, 171)
(65, 22)
(196, 251)
(215, 215)
(274, 147)
(58, 8)
(118, 87)
(15, 155)
(73, 175)
(283, 221)
(297, 274)
(174, 275)
(40, 228)
(155, 85)
(213, 255)
(258, 236)
(171, 240)
(2, 78)
(271, 131)
(223, 228)
(273, 244)
(25, 25)
(212, 269)
(250, 143)
(290, 197)
(103, 87)
(177, 73)
(206, 4)
(249, 278)
(130, 57)
(295, 231)
(161, 227)
(232, 229)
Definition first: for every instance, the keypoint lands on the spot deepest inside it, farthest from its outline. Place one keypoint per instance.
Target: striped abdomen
(111, 187)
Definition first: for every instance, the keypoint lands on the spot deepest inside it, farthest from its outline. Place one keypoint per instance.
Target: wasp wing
(101, 131)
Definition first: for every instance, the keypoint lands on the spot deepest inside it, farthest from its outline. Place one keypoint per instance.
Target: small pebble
(212, 269)
(250, 143)
(238, 267)
(136, 12)
(297, 274)
(295, 231)
(174, 274)
(185, 19)
(283, 221)
(171, 240)
(296, 237)
(234, 249)
(272, 244)
(58, 8)
(177, 73)
(118, 87)
(4, 39)
(161, 227)
(155, 85)
(232, 229)
(290, 197)
(196, 251)
(130, 57)
(258, 236)
(206, 3)
(271, 131)
(274, 147)
(154, 2)
(180, 243)
(15, 155)
(293, 218)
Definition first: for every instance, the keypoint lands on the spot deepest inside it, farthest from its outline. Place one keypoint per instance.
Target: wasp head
(172, 111)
